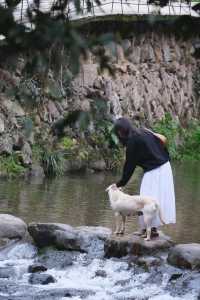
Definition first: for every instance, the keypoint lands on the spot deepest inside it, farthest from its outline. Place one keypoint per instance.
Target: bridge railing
(111, 7)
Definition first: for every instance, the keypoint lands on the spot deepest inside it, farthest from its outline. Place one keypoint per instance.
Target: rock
(73, 165)
(2, 124)
(13, 108)
(53, 111)
(12, 227)
(65, 237)
(52, 258)
(51, 234)
(149, 261)
(175, 276)
(135, 245)
(38, 278)
(36, 171)
(36, 268)
(185, 256)
(92, 239)
(65, 293)
(98, 165)
(101, 273)
(6, 145)
(26, 154)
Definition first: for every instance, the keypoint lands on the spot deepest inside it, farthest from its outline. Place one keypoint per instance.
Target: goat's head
(112, 187)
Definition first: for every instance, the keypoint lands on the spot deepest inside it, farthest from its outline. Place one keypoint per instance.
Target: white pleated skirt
(158, 184)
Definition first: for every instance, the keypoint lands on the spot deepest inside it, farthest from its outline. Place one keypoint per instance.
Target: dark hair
(124, 130)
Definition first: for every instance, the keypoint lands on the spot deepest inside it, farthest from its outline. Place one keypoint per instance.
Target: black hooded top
(143, 149)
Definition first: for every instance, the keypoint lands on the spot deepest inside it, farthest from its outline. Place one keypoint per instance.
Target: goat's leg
(117, 223)
(148, 222)
(123, 224)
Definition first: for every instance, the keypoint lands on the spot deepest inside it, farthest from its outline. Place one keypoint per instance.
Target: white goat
(125, 205)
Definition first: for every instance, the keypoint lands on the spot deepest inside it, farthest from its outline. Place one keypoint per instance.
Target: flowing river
(81, 200)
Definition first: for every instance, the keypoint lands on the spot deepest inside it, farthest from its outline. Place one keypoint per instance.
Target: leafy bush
(183, 143)
(190, 148)
(171, 129)
(67, 143)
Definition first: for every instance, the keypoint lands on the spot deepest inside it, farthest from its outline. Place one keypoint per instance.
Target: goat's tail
(160, 214)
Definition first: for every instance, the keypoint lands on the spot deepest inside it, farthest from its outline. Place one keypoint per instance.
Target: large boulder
(185, 256)
(135, 245)
(12, 227)
(66, 237)
(54, 234)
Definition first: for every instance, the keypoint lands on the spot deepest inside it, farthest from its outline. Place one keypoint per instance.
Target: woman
(147, 149)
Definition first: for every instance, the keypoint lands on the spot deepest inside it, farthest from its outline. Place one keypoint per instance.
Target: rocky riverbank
(58, 261)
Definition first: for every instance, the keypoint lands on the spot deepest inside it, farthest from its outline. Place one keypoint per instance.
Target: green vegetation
(52, 162)
(183, 143)
(11, 165)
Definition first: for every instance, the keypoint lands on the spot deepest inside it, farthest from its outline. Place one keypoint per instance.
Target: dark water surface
(81, 200)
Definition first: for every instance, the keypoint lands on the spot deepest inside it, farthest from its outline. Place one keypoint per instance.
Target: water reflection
(81, 200)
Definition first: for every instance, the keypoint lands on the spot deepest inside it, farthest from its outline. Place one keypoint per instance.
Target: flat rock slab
(12, 227)
(185, 256)
(117, 246)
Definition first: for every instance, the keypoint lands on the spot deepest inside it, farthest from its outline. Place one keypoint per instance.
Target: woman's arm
(129, 165)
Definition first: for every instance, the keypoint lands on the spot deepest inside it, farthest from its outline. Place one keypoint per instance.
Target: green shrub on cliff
(183, 143)
(171, 129)
(190, 148)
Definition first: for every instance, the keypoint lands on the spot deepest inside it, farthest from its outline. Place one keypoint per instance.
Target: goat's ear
(111, 187)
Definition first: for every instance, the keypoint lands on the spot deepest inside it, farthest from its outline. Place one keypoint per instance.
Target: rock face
(11, 227)
(155, 74)
(185, 256)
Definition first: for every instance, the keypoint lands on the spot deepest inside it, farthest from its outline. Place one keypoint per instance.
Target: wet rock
(65, 237)
(12, 227)
(185, 256)
(51, 234)
(175, 276)
(134, 245)
(56, 259)
(149, 261)
(36, 171)
(93, 239)
(60, 293)
(73, 165)
(98, 165)
(38, 278)
(101, 273)
(36, 268)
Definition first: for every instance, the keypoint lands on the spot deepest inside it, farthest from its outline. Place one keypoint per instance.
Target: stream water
(81, 200)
